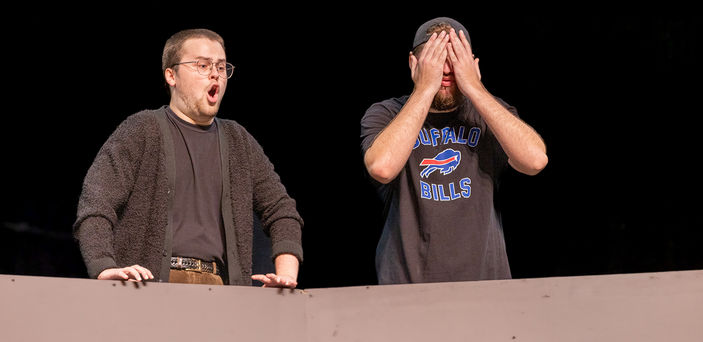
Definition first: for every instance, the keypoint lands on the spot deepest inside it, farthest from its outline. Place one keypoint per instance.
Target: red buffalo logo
(445, 161)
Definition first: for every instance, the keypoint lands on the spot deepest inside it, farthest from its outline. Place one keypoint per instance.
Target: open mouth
(213, 93)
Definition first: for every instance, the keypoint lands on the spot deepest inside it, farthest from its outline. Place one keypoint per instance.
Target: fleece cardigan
(124, 210)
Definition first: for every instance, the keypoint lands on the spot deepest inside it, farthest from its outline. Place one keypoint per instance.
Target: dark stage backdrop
(615, 97)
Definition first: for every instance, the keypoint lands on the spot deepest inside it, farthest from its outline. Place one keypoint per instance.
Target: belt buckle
(199, 269)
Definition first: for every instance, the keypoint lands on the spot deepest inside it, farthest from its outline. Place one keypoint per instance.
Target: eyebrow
(208, 58)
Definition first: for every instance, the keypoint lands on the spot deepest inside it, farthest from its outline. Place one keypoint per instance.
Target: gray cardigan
(124, 211)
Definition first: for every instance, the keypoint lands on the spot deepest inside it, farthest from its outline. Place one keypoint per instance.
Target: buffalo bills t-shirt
(441, 222)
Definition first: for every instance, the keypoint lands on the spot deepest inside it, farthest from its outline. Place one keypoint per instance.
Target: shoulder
(382, 112)
(232, 129)
(237, 136)
(142, 121)
(392, 105)
(229, 124)
(136, 131)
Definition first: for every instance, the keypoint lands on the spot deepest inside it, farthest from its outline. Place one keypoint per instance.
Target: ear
(170, 76)
(412, 63)
(478, 71)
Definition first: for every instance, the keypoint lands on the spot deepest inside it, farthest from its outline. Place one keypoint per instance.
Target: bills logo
(445, 161)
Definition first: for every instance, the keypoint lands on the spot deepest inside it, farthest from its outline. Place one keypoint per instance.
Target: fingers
(434, 46)
(443, 53)
(138, 273)
(268, 279)
(425, 51)
(453, 59)
(457, 45)
(465, 42)
(132, 273)
(273, 280)
(460, 40)
(122, 274)
(459, 52)
(438, 47)
(262, 278)
(143, 273)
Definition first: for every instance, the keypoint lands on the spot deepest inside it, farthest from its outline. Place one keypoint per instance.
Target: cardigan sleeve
(276, 209)
(106, 187)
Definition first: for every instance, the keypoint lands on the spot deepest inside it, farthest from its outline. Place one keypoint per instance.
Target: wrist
(287, 265)
(426, 89)
(423, 94)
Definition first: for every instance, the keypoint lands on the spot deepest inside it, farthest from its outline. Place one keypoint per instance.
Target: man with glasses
(435, 157)
(172, 193)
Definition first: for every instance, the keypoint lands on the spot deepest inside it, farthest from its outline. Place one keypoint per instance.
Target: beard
(445, 101)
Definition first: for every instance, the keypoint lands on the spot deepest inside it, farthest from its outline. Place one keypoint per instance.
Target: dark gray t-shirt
(197, 215)
(441, 223)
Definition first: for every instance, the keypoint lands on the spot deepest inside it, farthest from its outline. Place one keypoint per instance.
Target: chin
(209, 110)
(447, 99)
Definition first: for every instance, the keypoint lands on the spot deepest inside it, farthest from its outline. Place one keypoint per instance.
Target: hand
(130, 273)
(427, 69)
(273, 280)
(464, 65)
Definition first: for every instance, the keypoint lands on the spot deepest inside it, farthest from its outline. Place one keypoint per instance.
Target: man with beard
(171, 194)
(435, 157)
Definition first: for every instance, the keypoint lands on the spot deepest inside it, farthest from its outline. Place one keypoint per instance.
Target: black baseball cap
(421, 36)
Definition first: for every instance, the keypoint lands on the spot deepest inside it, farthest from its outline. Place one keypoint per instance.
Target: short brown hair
(172, 50)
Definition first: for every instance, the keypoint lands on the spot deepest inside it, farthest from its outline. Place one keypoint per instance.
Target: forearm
(392, 147)
(523, 145)
(286, 238)
(95, 241)
(525, 149)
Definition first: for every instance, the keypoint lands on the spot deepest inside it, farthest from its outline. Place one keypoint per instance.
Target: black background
(614, 95)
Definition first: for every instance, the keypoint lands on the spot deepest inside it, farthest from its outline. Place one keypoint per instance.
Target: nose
(214, 74)
(447, 67)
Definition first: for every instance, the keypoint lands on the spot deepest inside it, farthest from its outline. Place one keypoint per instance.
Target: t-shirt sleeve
(376, 118)
(510, 108)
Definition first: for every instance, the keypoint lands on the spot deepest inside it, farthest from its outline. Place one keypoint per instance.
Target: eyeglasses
(204, 67)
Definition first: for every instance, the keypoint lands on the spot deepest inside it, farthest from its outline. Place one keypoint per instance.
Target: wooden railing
(665, 306)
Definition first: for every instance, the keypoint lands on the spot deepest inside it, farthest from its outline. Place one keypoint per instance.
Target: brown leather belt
(196, 265)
